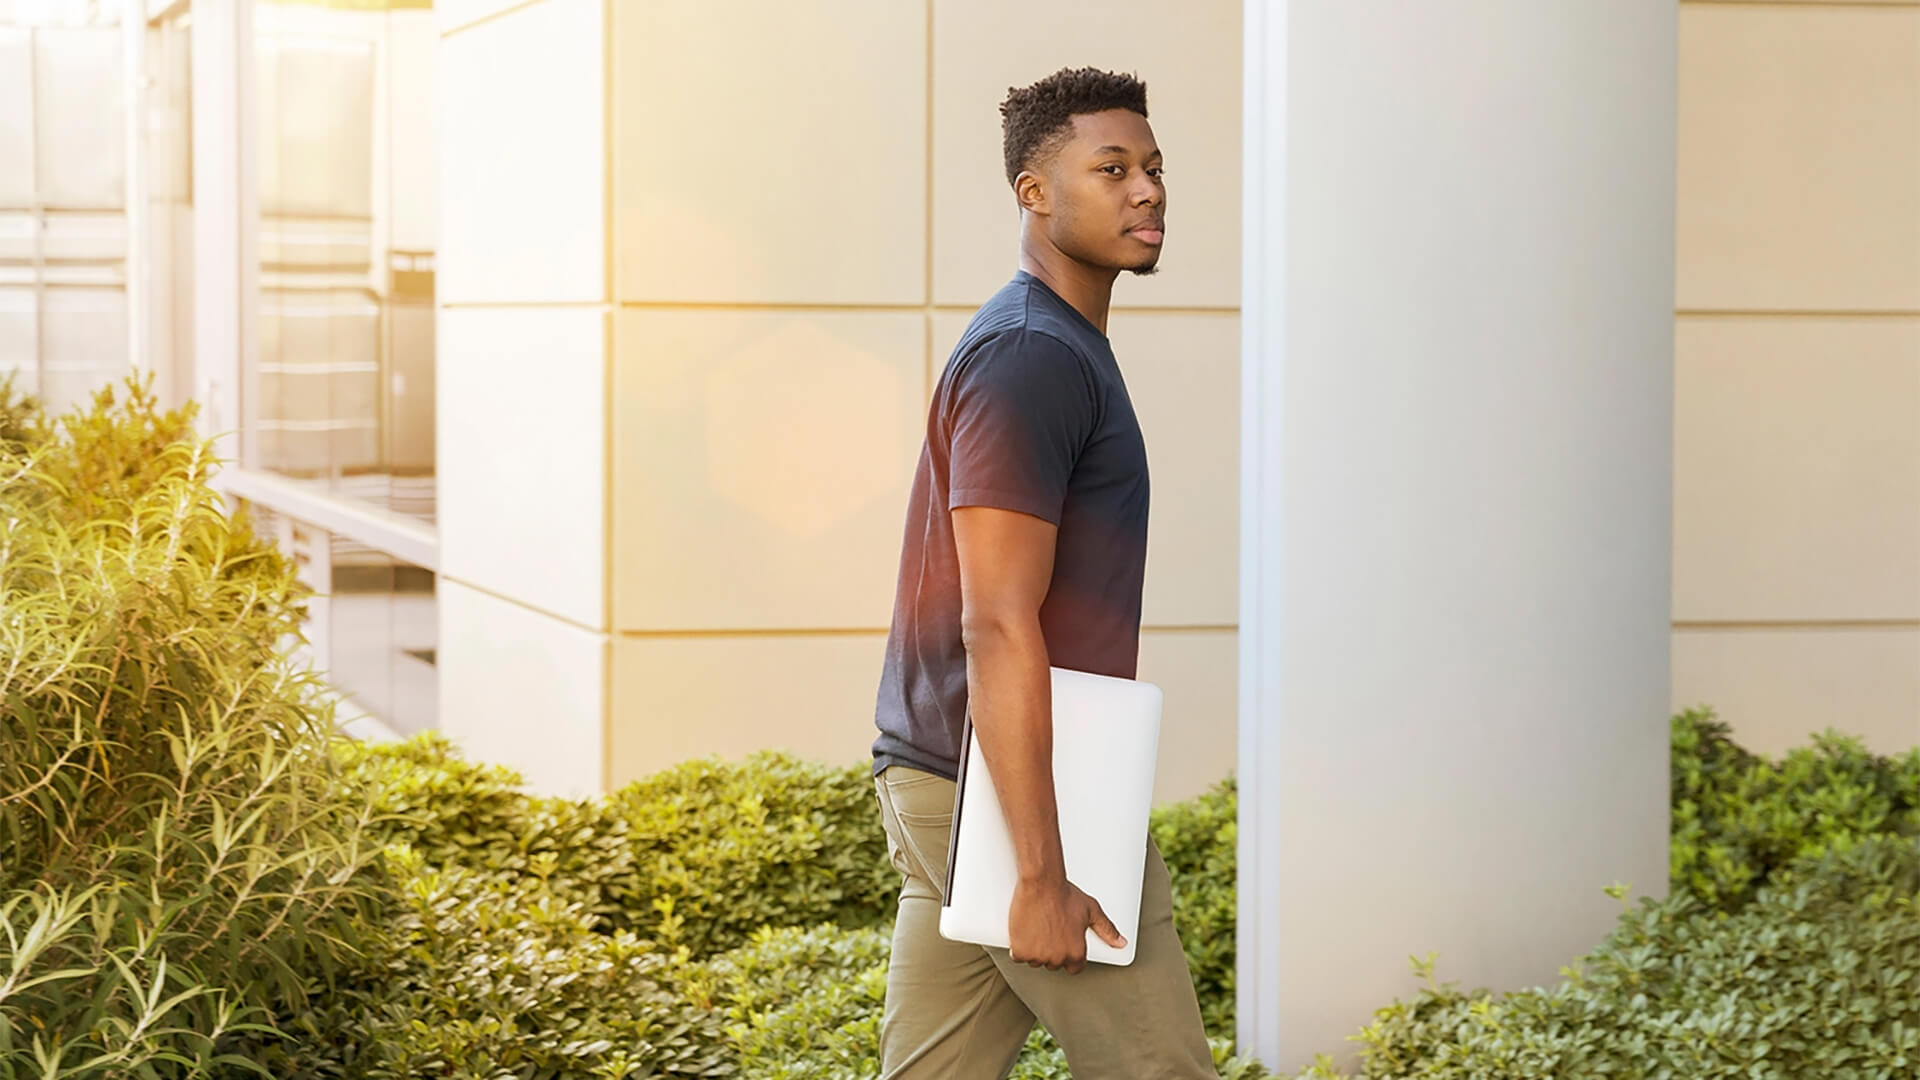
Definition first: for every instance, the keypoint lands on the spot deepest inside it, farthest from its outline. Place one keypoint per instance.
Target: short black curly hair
(1036, 119)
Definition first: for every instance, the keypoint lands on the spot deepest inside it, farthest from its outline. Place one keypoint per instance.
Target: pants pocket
(927, 837)
(896, 847)
(917, 812)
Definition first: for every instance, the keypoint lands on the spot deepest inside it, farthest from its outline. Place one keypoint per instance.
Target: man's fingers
(1103, 926)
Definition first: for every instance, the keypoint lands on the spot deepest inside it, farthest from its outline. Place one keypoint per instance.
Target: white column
(133, 87)
(1456, 496)
(226, 271)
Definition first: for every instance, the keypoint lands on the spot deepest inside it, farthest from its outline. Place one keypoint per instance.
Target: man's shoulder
(1015, 318)
(990, 341)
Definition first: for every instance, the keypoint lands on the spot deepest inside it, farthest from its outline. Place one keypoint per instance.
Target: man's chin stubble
(1144, 271)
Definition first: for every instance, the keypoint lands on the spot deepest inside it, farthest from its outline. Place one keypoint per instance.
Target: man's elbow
(986, 631)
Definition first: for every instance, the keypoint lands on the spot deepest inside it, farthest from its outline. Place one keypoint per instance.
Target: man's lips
(1150, 232)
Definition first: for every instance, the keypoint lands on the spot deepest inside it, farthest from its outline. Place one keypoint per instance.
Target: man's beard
(1145, 269)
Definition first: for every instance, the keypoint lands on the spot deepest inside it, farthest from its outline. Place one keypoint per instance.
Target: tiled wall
(1797, 445)
(808, 204)
(521, 387)
(706, 259)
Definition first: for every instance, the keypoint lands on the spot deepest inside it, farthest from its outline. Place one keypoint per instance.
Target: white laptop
(1106, 739)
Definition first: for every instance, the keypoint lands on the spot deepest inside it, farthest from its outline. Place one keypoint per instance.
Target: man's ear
(1030, 188)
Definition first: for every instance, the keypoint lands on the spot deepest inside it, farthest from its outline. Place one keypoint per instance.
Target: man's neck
(1089, 289)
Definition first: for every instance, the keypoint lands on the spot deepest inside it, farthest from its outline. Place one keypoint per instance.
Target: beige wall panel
(523, 157)
(520, 396)
(770, 153)
(678, 698)
(1199, 733)
(1799, 157)
(521, 688)
(1797, 469)
(1183, 373)
(1191, 65)
(1776, 688)
(762, 462)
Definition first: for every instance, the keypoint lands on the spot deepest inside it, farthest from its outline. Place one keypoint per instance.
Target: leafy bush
(722, 849)
(468, 978)
(698, 856)
(1814, 977)
(1198, 839)
(800, 1003)
(454, 814)
(173, 864)
(1741, 821)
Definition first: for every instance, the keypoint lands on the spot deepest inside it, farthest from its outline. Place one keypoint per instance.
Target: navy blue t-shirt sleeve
(1019, 412)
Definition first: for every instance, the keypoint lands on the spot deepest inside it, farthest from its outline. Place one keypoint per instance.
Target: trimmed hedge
(1813, 978)
(468, 977)
(1199, 839)
(1741, 821)
(696, 856)
(1788, 947)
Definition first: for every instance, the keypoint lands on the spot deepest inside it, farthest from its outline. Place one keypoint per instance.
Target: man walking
(1025, 547)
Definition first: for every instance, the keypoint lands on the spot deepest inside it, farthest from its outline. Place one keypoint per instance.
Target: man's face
(1108, 202)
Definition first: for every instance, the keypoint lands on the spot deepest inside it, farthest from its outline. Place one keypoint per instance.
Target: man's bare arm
(1006, 564)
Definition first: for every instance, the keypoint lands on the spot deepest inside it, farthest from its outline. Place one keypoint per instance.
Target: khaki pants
(962, 1012)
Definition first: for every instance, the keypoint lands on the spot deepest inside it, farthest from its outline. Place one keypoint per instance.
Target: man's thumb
(1104, 927)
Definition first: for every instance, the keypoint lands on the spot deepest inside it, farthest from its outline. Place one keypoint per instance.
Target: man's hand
(1048, 925)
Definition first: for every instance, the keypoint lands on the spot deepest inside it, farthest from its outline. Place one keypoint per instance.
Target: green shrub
(173, 865)
(22, 425)
(455, 814)
(698, 856)
(1198, 839)
(1813, 978)
(722, 849)
(800, 1003)
(1741, 821)
(468, 978)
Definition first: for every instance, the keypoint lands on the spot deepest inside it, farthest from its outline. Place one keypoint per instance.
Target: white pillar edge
(216, 39)
(139, 274)
(1262, 359)
(246, 305)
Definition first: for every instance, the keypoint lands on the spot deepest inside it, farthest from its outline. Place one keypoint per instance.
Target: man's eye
(1114, 170)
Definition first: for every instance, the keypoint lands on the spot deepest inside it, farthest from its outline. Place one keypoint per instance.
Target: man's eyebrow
(1122, 150)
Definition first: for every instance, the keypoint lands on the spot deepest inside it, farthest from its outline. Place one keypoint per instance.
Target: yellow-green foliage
(172, 857)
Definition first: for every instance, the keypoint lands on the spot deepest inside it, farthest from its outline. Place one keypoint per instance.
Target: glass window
(372, 625)
(169, 164)
(382, 637)
(343, 394)
(63, 183)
